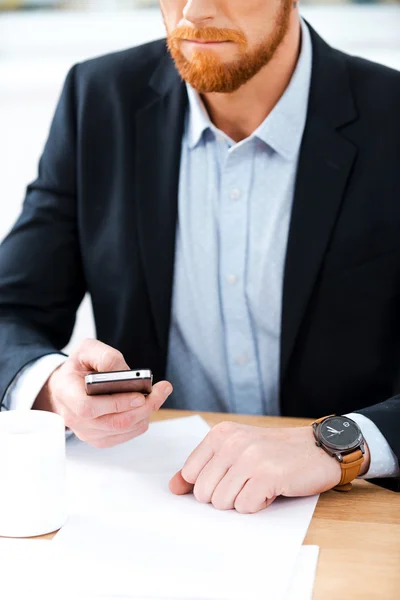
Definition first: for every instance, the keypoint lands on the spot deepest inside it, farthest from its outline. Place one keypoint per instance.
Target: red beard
(206, 73)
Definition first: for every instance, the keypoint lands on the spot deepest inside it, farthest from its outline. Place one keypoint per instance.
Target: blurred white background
(38, 47)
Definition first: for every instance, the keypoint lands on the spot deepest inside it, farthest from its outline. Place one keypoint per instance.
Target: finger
(155, 400)
(116, 423)
(209, 478)
(252, 497)
(124, 421)
(179, 486)
(228, 488)
(93, 355)
(88, 433)
(89, 407)
(92, 407)
(108, 441)
(198, 460)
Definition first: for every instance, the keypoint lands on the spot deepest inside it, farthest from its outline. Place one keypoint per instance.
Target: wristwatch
(342, 439)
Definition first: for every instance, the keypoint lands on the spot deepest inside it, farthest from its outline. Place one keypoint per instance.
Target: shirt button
(232, 279)
(235, 194)
(242, 359)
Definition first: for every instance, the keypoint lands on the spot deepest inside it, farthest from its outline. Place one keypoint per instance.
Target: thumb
(179, 486)
(93, 355)
(158, 395)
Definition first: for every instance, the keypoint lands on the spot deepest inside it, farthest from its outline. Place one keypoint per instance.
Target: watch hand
(336, 433)
(332, 429)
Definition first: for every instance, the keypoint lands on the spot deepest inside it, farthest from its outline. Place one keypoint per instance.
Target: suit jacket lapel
(159, 130)
(325, 163)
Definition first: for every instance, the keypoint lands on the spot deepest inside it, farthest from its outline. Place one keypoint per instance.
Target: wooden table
(358, 532)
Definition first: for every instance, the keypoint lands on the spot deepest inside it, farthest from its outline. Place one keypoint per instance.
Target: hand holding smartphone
(115, 382)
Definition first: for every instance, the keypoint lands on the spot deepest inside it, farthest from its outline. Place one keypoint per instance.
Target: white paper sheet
(129, 482)
(302, 583)
(120, 506)
(42, 570)
(157, 559)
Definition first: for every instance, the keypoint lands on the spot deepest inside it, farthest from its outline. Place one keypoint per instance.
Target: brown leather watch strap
(318, 421)
(350, 465)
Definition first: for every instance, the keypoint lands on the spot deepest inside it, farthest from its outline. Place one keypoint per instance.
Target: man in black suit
(132, 154)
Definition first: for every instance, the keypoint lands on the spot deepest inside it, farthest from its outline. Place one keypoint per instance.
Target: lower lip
(205, 44)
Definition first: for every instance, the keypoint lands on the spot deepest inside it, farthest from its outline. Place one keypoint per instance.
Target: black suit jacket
(101, 217)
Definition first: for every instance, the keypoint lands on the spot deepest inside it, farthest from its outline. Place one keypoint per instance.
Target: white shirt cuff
(384, 462)
(23, 391)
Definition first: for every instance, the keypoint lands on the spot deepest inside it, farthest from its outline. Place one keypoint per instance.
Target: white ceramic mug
(32, 473)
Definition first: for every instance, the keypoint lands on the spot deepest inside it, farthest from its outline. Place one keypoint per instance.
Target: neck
(230, 112)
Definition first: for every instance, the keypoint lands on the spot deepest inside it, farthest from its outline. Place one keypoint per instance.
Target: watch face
(340, 432)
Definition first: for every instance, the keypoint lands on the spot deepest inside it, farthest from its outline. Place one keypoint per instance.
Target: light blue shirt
(234, 208)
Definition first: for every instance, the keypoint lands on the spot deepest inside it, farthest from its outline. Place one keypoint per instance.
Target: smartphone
(136, 380)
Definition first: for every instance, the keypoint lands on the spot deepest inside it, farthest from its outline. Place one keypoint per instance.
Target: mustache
(208, 34)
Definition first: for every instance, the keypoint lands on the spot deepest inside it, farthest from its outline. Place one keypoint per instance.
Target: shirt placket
(236, 178)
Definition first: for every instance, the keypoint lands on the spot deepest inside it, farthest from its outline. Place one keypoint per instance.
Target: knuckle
(225, 428)
(110, 358)
(154, 405)
(233, 442)
(226, 434)
(84, 347)
(85, 343)
(118, 357)
(251, 453)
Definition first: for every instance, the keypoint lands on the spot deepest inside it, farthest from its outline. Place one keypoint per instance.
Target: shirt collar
(283, 128)
(198, 119)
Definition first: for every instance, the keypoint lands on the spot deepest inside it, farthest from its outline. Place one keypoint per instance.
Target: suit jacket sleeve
(386, 416)
(41, 275)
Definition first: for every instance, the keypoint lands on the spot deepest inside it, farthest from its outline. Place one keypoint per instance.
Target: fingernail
(137, 402)
(167, 390)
